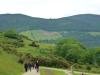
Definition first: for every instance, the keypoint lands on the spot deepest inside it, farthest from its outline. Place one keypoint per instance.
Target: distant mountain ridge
(83, 22)
(84, 27)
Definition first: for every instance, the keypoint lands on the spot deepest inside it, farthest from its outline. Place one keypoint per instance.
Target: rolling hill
(84, 27)
(85, 22)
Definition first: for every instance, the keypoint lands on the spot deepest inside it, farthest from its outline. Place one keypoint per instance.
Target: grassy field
(9, 65)
(43, 49)
(51, 72)
(41, 35)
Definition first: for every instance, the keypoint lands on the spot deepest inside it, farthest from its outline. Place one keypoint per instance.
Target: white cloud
(50, 8)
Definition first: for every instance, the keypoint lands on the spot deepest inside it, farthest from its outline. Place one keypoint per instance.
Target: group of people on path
(29, 66)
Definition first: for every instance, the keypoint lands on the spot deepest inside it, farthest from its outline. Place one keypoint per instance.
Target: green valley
(57, 43)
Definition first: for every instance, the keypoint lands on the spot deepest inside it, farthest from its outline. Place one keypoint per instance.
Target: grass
(9, 65)
(94, 33)
(41, 35)
(80, 74)
(43, 49)
(51, 72)
(32, 51)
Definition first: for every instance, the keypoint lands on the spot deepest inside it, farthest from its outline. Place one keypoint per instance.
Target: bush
(34, 44)
(52, 61)
(49, 61)
(88, 67)
(95, 70)
(11, 34)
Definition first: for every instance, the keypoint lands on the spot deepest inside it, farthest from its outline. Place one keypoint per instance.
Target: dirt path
(33, 72)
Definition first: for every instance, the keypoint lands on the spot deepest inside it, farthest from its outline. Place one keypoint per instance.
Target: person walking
(26, 67)
(29, 66)
(37, 66)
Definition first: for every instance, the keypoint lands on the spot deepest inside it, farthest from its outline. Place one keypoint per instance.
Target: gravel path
(32, 72)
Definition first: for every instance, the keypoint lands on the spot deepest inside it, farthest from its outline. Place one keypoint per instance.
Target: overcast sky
(50, 8)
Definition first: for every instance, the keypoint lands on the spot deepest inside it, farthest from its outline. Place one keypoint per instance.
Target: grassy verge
(80, 74)
(8, 65)
(51, 72)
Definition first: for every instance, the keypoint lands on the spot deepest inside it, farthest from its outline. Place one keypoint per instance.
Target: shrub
(11, 34)
(95, 70)
(52, 61)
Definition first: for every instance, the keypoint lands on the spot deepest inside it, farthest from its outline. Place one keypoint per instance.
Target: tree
(66, 45)
(34, 44)
(11, 34)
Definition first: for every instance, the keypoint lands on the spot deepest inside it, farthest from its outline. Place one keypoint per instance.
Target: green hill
(16, 48)
(42, 35)
(84, 27)
(89, 39)
(8, 60)
(13, 44)
(85, 22)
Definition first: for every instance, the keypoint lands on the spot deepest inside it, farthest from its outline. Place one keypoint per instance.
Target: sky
(50, 8)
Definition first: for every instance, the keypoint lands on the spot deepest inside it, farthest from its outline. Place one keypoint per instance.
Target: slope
(9, 65)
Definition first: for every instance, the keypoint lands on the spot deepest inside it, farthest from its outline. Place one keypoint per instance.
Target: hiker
(29, 66)
(37, 65)
(26, 67)
(32, 65)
